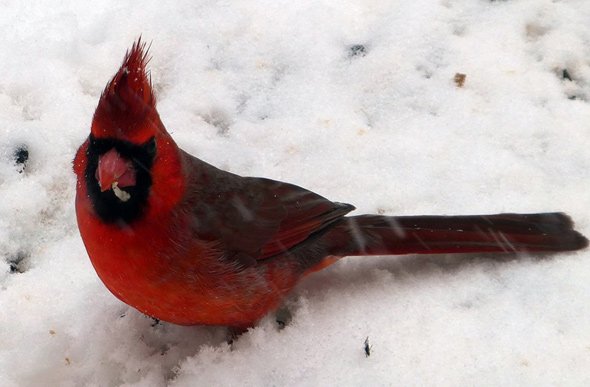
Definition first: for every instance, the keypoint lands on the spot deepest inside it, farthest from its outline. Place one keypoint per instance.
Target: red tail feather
(382, 235)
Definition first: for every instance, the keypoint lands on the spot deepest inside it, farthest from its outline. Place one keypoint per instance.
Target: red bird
(187, 243)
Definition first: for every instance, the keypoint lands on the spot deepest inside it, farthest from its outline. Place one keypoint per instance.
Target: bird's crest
(128, 103)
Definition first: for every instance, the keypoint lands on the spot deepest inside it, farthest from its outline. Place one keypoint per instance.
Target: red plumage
(185, 242)
(128, 101)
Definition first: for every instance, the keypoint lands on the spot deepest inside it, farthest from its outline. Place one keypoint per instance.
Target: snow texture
(357, 100)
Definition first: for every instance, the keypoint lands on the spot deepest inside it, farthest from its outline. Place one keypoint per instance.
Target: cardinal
(185, 242)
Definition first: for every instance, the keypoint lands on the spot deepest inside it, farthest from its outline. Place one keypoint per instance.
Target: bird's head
(127, 138)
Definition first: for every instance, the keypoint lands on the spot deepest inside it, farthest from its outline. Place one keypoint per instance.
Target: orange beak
(114, 169)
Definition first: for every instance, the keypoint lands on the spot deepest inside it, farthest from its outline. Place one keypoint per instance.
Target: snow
(283, 89)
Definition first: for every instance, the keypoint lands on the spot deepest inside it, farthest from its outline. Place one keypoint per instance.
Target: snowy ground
(354, 99)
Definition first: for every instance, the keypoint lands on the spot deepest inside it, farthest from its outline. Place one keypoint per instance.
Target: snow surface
(283, 89)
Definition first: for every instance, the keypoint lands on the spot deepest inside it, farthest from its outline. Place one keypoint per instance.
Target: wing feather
(254, 217)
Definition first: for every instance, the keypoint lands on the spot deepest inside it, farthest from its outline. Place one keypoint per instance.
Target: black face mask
(106, 204)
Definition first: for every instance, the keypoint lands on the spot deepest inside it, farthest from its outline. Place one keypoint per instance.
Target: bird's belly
(201, 293)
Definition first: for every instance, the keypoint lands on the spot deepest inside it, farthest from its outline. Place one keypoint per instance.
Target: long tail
(504, 233)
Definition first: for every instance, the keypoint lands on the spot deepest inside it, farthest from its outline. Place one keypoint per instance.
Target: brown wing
(255, 218)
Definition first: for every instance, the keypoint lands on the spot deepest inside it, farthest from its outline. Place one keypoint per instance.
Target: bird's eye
(150, 146)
